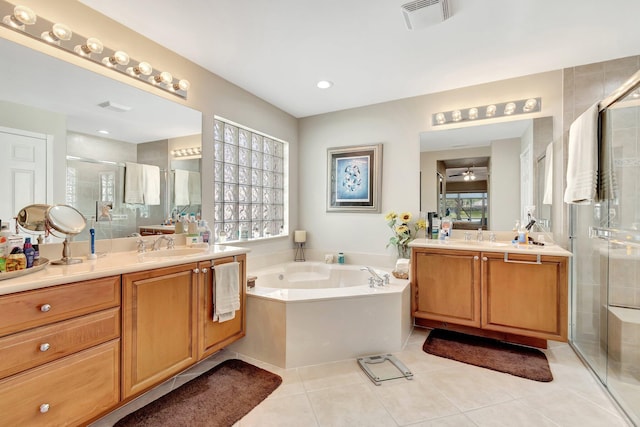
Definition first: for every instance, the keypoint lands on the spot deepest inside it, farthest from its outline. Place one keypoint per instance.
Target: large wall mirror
(48, 105)
(487, 176)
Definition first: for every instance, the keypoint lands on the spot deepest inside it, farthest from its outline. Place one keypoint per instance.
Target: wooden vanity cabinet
(160, 325)
(525, 295)
(60, 353)
(484, 293)
(447, 286)
(215, 335)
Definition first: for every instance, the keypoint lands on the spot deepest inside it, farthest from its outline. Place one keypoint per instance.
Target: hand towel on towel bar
(226, 290)
(133, 183)
(151, 184)
(582, 163)
(181, 187)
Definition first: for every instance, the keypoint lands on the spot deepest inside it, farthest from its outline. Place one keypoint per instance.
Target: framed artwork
(354, 178)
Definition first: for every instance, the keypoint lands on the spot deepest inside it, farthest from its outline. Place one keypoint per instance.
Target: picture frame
(354, 178)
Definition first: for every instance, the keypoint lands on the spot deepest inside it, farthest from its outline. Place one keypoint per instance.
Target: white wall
(504, 197)
(397, 124)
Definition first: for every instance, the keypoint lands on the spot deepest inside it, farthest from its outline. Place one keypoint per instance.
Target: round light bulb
(25, 15)
(145, 68)
(530, 105)
(183, 85)
(166, 77)
(491, 110)
(473, 113)
(456, 115)
(440, 118)
(118, 58)
(57, 33)
(510, 108)
(62, 32)
(93, 45)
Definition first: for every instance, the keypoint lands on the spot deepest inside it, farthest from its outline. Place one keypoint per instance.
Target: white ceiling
(279, 49)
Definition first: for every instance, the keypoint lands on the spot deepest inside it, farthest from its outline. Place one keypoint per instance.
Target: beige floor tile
(331, 375)
(569, 409)
(459, 420)
(349, 406)
(509, 414)
(293, 411)
(470, 387)
(411, 401)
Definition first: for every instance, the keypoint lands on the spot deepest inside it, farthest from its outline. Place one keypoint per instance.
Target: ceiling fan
(468, 175)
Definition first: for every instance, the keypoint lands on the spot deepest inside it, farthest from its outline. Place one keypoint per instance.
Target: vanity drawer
(69, 391)
(25, 350)
(29, 309)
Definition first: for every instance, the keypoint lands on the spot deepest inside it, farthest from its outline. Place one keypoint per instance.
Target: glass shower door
(605, 239)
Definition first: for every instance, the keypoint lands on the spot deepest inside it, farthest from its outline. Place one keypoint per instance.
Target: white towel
(582, 163)
(181, 187)
(151, 184)
(227, 291)
(133, 183)
(547, 197)
(194, 188)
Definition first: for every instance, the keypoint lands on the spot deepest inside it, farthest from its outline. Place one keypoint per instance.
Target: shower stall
(605, 241)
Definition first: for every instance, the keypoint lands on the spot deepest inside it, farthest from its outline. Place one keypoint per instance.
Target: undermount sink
(166, 253)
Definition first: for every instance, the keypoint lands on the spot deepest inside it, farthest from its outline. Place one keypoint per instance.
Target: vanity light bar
(491, 111)
(185, 152)
(24, 20)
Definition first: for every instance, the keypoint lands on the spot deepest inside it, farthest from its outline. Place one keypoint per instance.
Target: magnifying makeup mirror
(33, 218)
(69, 221)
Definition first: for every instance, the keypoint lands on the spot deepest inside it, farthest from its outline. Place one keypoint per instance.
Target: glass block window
(250, 197)
(71, 186)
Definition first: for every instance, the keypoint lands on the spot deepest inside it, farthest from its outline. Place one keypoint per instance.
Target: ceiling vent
(425, 13)
(113, 106)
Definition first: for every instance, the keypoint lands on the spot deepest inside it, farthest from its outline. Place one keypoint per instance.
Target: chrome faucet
(375, 278)
(158, 242)
(142, 246)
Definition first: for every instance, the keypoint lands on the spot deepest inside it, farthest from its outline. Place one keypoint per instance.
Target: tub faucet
(158, 242)
(375, 278)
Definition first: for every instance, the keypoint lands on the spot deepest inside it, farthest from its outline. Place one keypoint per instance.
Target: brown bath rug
(521, 361)
(219, 397)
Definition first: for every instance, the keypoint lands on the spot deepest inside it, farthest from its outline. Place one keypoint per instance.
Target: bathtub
(306, 313)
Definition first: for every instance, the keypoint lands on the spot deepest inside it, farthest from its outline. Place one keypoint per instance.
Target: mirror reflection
(488, 176)
(67, 135)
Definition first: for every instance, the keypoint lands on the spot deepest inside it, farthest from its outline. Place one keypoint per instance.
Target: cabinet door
(68, 392)
(159, 312)
(447, 286)
(523, 297)
(216, 335)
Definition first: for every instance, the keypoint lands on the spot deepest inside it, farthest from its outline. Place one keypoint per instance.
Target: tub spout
(375, 278)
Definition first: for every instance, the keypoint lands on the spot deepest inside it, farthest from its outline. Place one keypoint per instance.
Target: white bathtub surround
(309, 320)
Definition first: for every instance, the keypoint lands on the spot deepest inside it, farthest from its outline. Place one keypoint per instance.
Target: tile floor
(442, 393)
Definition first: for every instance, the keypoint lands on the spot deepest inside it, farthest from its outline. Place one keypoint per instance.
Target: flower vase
(401, 271)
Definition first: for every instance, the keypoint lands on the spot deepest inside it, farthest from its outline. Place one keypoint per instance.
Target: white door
(23, 171)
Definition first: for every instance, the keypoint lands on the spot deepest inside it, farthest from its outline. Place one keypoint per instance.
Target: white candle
(300, 236)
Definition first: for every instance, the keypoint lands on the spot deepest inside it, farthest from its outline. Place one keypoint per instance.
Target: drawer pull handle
(205, 270)
(44, 408)
(475, 258)
(196, 270)
(537, 261)
(485, 259)
(45, 346)
(45, 307)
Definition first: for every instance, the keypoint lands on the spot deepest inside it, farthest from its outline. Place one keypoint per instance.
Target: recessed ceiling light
(103, 131)
(324, 84)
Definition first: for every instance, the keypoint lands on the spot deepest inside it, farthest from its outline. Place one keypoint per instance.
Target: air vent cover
(425, 13)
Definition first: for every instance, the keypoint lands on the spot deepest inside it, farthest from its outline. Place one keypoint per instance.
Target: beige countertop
(487, 246)
(114, 263)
